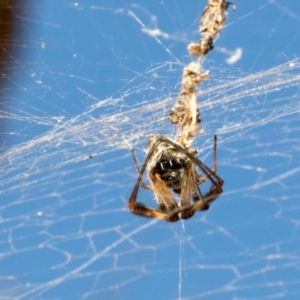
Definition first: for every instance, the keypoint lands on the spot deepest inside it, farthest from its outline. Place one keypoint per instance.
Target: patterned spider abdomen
(169, 164)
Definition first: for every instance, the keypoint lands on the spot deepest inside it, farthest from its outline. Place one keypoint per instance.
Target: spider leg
(145, 211)
(216, 188)
(164, 198)
(214, 168)
(209, 197)
(135, 162)
(185, 194)
(197, 194)
(210, 173)
(190, 186)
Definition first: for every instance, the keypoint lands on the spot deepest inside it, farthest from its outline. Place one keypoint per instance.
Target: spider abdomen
(170, 171)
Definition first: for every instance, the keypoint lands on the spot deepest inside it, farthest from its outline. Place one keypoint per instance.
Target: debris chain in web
(211, 23)
(185, 113)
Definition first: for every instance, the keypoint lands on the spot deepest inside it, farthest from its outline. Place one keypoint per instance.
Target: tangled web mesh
(96, 78)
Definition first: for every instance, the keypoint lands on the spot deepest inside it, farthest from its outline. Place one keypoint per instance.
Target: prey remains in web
(173, 168)
(211, 23)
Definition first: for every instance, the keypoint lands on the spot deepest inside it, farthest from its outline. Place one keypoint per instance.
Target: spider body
(172, 171)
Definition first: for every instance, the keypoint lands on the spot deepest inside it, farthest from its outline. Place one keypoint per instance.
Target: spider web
(95, 77)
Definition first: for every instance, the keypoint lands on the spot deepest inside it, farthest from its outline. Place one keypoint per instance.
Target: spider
(172, 170)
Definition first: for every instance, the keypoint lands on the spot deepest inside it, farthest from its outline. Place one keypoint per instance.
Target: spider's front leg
(136, 165)
(202, 202)
(186, 192)
(145, 211)
(209, 197)
(210, 174)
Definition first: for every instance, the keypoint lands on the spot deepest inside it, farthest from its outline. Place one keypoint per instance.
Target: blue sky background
(89, 78)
